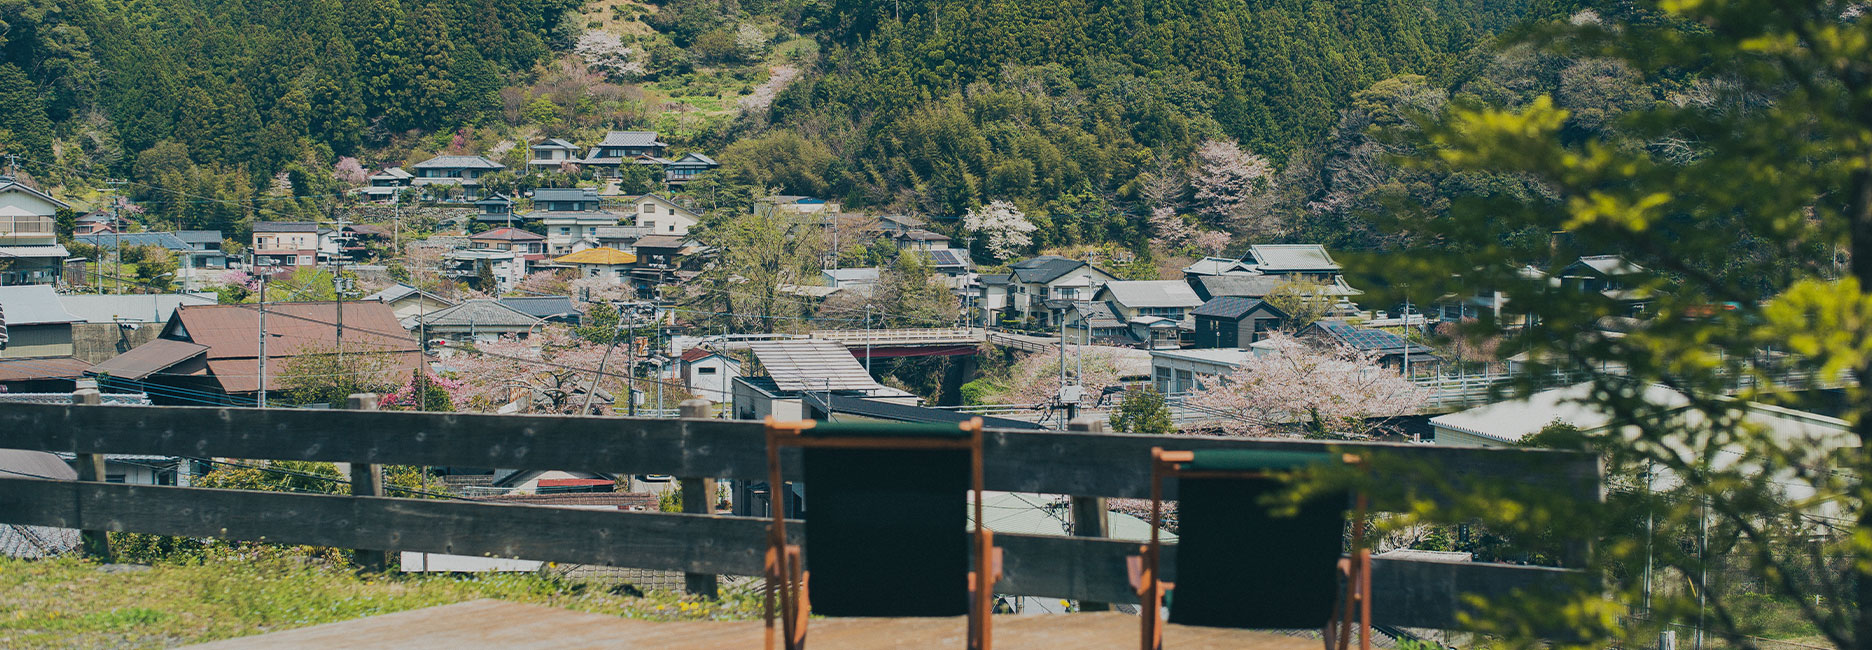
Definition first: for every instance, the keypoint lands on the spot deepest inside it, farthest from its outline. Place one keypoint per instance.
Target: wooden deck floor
(514, 626)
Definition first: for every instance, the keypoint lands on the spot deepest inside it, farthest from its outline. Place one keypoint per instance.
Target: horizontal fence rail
(1408, 593)
(1084, 464)
(1411, 593)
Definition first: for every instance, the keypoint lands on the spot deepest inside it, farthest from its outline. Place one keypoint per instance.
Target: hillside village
(583, 323)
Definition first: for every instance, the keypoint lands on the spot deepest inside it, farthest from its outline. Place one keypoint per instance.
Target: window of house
(1185, 380)
(591, 273)
(565, 230)
(1163, 380)
(113, 478)
(705, 371)
(672, 227)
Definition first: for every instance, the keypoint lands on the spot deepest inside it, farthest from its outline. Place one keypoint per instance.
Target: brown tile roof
(27, 369)
(507, 234)
(230, 332)
(660, 241)
(149, 358)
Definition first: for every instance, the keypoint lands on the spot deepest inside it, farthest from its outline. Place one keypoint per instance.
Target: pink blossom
(1226, 177)
(1295, 387)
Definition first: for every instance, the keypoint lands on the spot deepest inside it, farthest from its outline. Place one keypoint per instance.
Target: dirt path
(777, 79)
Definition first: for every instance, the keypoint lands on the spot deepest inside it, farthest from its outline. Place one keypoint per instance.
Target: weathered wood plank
(1083, 464)
(1409, 593)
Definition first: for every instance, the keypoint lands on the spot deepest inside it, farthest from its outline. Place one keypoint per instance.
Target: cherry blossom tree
(1169, 227)
(1004, 226)
(1301, 389)
(545, 283)
(349, 171)
(1035, 378)
(552, 371)
(1227, 179)
(605, 53)
(1210, 242)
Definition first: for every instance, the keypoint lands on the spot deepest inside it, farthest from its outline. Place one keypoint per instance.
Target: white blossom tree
(1302, 389)
(1227, 180)
(349, 171)
(1169, 227)
(1035, 378)
(1004, 226)
(605, 53)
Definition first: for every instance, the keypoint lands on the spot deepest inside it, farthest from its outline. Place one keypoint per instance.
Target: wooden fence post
(698, 496)
(1089, 516)
(366, 481)
(91, 468)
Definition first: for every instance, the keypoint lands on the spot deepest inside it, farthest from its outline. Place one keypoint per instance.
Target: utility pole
(630, 370)
(1407, 343)
(262, 399)
(867, 338)
(599, 376)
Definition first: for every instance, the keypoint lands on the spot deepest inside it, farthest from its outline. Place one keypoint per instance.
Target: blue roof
(167, 240)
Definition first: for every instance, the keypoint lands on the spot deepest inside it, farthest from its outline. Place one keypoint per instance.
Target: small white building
(603, 263)
(708, 374)
(508, 267)
(1174, 372)
(660, 216)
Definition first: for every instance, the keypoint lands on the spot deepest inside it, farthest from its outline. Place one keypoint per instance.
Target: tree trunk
(1859, 212)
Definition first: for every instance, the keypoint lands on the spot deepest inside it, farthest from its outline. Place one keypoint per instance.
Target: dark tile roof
(543, 306)
(1230, 307)
(31, 368)
(1043, 269)
(149, 358)
(285, 226)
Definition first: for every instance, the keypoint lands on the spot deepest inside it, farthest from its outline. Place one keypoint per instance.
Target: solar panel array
(945, 257)
(1361, 338)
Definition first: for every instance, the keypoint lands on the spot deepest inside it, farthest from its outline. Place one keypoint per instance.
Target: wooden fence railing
(1407, 593)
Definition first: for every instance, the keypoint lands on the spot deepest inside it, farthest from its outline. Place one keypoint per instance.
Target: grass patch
(75, 603)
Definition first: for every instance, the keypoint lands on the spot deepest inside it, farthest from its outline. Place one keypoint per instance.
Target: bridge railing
(1408, 593)
(909, 335)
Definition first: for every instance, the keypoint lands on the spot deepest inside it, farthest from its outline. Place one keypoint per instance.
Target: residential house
(406, 301)
(37, 324)
(952, 263)
(100, 221)
(623, 238)
(29, 235)
(204, 248)
(210, 354)
(662, 252)
(857, 279)
(551, 154)
(386, 184)
(1096, 322)
(1156, 310)
(608, 264)
(285, 244)
(797, 367)
(1175, 372)
(708, 374)
(197, 252)
(987, 297)
(556, 309)
(439, 175)
(690, 165)
(899, 223)
(506, 267)
(1390, 350)
(497, 208)
(1610, 276)
(36, 354)
(569, 214)
(660, 216)
(1235, 322)
(481, 320)
(509, 239)
(1478, 301)
(110, 325)
(1296, 262)
(1236, 285)
(918, 239)
(623, 147)
(1214, 266)
(1043, 287)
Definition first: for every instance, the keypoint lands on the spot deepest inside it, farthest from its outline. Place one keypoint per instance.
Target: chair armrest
(1000, 560)
(1134, 571)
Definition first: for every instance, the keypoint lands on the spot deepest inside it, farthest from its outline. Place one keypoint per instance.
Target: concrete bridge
(907, 342)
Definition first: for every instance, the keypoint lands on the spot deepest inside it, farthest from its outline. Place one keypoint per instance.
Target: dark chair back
(887, 530)
(1240, 565)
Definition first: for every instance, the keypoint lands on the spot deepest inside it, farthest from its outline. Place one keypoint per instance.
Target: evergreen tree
(24, 128)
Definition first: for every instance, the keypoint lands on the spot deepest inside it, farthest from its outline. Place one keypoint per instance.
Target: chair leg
(798, 610)
(770, 570)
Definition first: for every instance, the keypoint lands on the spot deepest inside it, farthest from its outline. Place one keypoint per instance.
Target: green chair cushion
(1252, 460)
(885, 429)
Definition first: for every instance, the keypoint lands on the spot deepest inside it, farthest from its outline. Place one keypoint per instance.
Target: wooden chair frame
(784, 563)
(1147, 567)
